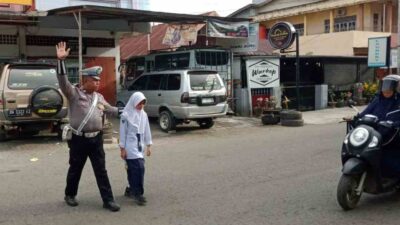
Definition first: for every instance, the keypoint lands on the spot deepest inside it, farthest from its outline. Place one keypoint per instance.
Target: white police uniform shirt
(129, 140)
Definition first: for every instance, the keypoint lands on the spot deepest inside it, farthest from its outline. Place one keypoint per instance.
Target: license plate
(19, 112)
(207, 100)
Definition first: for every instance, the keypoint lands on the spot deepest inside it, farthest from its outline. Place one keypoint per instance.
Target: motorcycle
(361, 154)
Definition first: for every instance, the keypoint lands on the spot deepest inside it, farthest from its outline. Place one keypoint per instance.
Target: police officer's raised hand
(62, 52)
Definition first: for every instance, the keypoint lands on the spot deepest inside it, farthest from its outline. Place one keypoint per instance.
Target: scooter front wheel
(347, 195)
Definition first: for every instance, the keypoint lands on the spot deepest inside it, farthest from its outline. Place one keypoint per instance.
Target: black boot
(112, 206)
(71, 201)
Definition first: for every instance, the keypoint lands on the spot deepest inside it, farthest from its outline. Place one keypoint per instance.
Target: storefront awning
(100, 12)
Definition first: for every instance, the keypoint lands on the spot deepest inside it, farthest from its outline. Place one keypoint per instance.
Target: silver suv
(30, 100)
(178, 96)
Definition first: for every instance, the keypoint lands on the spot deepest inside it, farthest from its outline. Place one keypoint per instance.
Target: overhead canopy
(101, 12)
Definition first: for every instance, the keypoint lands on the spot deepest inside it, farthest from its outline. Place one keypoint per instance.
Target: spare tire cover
(46, 101)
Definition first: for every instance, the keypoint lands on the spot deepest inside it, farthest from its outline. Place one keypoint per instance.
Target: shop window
(172, 61)
(6, 39)
(53, 40)
(376, 21)
(327, 26)
(299, 28)
(345, 23)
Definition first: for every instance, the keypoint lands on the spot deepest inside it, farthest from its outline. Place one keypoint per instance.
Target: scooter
(362, 152)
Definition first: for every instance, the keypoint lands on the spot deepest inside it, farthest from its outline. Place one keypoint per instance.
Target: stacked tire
(107, 133)
(291, 118)
(270, 119)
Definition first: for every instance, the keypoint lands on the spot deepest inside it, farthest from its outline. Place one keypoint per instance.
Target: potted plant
(332, 96)
(369, 90)
(342, 99)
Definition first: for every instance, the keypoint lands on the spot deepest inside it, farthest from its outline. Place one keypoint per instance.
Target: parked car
(30, 100)
(178, 96)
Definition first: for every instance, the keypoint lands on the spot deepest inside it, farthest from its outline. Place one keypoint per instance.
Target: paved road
(225, 175)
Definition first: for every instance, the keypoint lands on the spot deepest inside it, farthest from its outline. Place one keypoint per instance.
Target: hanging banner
(249, 44)
(262, 73)
(17, 2)
(180, 35)
(227, 30)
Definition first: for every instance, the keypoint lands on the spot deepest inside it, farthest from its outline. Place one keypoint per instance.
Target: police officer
(89, 142)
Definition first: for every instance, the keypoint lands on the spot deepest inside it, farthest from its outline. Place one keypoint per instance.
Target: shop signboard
(179, 35)
(249, 44)
(262, 73)
(222, 29)
(17, 2)
(378, 52)
(281, 35)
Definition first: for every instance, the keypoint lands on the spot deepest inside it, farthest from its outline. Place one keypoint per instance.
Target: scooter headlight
(359, 136)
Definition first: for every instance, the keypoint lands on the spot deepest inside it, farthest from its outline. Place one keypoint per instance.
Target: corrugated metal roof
(138, 46)
(133, 15)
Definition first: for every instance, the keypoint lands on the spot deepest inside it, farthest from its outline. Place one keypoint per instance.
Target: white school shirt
(128, 139)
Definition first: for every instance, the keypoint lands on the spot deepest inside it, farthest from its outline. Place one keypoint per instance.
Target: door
(108, 78)
(154, 94)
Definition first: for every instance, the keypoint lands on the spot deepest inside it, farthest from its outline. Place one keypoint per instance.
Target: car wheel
(166, 121)
(206, 123)
(46, 101)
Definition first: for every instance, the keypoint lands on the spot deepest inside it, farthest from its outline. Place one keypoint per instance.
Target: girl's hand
(148, 151)
(123, 153)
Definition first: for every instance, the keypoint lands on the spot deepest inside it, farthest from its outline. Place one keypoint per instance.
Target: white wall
(9, 51)
(43, 5)
(49, 50)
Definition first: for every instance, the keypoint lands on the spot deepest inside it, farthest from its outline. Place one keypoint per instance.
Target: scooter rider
(386, 101)
(386, 106)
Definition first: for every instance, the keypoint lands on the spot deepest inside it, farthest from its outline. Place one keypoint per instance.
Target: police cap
(93, 72)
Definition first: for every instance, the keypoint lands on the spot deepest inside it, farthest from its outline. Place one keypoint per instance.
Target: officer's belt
(85, 134)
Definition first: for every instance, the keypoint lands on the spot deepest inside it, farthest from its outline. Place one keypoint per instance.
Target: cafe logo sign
(263, 74)
(281, 35)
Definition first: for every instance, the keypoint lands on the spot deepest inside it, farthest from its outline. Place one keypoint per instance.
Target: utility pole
(398, 37)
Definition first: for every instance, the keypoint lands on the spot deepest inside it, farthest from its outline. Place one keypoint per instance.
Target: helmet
(390, 82)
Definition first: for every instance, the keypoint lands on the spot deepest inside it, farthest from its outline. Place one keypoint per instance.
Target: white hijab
(136, 118)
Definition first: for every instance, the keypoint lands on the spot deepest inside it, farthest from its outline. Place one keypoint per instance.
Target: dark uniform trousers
(80, 149)
(135, 176)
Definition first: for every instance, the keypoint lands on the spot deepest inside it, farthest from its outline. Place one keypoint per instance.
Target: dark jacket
(381, 106)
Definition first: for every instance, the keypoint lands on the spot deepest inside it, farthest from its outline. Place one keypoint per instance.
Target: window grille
(8, 39)
(53, 40)
(299, 28)
(345, 23)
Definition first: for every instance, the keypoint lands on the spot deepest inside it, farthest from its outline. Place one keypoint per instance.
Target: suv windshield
(202, 81)
(32, 78)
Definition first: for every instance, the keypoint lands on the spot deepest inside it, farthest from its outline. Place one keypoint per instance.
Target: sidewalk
(324, 116)
(330, 115)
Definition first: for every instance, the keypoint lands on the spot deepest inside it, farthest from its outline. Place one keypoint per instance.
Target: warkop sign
(263, 73)
(281, 35)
